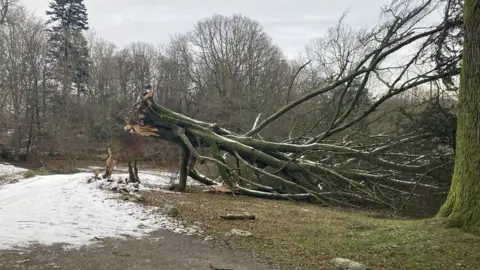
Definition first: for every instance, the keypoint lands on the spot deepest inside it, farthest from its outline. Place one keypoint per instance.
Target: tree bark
(462, 207)
(108, 166)
(133, 172)
(183, 169)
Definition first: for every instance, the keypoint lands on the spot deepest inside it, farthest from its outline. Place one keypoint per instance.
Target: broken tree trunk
(183, 169)
(109, 164)
(133, 172)
(279, 170)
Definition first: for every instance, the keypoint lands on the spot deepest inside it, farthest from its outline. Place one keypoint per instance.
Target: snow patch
(7, 169)
(10, 173)
(151, 180)
(65, 209)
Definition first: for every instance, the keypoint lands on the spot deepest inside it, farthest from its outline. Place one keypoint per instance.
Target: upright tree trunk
(462, 207)
(44, 96)
(17, 142)
(185, 157)
(109, 165)
(133, 172)
(30, 128)
(17, 132)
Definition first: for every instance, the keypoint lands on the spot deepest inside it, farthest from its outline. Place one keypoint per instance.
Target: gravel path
(160, 250)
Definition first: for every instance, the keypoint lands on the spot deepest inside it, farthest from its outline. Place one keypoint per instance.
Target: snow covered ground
(7, 169)
(151, 180)
(9, 172)
(65, 209)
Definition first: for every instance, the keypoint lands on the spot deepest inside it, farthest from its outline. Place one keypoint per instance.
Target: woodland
(362, 117)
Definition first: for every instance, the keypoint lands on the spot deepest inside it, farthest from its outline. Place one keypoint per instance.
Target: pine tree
(68, 60)
(80, 62)
(68, 48)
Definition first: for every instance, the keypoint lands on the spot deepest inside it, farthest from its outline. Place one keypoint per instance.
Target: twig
(219, 268)
(293, 81)
(415, 187)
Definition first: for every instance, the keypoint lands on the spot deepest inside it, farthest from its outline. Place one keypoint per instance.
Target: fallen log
(242, 216)
(289, 174)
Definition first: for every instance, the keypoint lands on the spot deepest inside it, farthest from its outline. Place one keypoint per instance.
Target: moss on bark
(462, 207)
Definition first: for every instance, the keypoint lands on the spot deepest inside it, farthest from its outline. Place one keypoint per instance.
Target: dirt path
(161, 250)
(64, 208)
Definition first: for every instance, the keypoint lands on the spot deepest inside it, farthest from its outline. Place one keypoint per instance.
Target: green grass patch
(29, 174)
(305, 236)
(75, 171)
(15, 177)
(33, 173)
(43, 171)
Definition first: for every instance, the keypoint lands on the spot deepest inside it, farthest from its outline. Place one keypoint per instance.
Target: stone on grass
(341, 263)
(170, 210)
(131, 197)
(208, 239)
(237, 232)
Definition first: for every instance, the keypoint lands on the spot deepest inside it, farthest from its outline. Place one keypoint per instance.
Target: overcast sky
(290, 23)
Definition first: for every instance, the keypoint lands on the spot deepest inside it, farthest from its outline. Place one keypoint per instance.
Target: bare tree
(370, 168)
(235, 69)
(5, 6)
(22, 43)
(143, 57)
(172, 80)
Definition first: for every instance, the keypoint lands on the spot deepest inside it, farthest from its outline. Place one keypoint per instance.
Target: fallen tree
(321, 181)
(339, 165)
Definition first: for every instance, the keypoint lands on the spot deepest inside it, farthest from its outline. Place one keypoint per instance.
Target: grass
(29, 174)
(303, 236)
(23, 175)
(43, 171)
(33, 173)
(14, 177)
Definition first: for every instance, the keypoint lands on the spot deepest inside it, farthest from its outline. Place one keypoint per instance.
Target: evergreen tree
(68, 48)
(80, 62)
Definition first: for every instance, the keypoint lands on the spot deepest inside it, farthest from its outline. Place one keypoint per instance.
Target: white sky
(291, 24)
